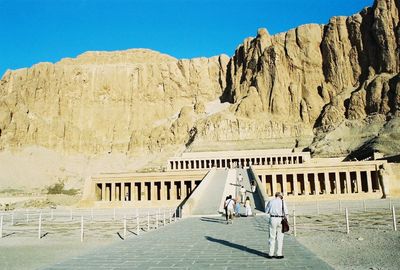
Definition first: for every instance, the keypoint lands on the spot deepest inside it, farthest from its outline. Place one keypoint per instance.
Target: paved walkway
(199, 243)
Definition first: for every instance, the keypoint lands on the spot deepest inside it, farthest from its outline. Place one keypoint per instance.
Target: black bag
(285, 225)
(284, 222)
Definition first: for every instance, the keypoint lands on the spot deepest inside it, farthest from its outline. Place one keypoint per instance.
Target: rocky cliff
(334, 88)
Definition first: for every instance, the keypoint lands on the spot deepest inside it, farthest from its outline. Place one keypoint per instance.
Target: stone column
(306, 184)
(112, 191)
(274, 184)
(338, 184)
(295, 188)
(174, 191)
(133, 191)
(348, 182)
(316, 184)
(358, 179)
(163, 189)
(183, 190)
(284, 184)
(369, 181)
(122, 192)
(327, 183)
(103, 191)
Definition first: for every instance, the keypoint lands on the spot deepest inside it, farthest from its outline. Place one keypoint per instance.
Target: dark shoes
(276, 257)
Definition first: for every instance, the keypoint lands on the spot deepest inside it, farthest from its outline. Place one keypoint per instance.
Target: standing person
(242, 194)
(230, 204)
(248, 207)
(240, 178)
(237, 206)
(277, 209)
(253, 186)
(226, 208)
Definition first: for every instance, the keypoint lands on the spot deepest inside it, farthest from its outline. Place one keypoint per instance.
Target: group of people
(232, 208)
(276, 209)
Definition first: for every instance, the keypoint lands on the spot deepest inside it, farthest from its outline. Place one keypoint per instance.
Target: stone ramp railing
(260, 191)
(205, 199)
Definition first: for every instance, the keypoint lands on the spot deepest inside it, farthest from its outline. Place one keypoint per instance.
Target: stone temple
(199, 181)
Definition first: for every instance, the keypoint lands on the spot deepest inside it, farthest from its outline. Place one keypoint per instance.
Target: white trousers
(275, 235)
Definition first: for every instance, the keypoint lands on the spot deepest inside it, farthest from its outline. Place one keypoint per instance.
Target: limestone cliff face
(317, 76)
(103, 102)
(307, 82)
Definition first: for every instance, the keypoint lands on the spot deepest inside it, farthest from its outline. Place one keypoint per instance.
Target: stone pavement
(198, 243)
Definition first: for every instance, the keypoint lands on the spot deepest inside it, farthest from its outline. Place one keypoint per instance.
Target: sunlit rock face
(316, 86)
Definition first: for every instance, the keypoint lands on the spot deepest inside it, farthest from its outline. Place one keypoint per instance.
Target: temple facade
(295, 174)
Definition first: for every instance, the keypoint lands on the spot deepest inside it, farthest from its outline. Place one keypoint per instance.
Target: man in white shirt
(229, 204)
(277, 209)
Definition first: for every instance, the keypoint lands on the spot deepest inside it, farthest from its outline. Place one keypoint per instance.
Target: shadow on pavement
(237, 246)
(215, 220)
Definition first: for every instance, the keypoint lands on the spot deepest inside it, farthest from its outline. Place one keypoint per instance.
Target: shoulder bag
(284, 222)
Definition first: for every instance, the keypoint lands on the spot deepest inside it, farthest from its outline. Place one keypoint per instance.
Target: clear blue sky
(35, 31)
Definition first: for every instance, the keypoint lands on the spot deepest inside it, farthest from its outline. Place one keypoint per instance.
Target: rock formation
(308, 83)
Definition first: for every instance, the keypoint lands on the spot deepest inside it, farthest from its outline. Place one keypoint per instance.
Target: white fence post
(71, 218)
(12, 219)
(137, 225)
(169, 213)
(294, 223)
(1, 226)
(164, 217)
(347, 221)
(52, 214)
(394, 219)
(148, 221)
(124, 227)
(40, 226)
(81, 228)
(390, 203)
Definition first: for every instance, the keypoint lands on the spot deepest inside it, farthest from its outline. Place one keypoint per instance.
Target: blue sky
(35, 31)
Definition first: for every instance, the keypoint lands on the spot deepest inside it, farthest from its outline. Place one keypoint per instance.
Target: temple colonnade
(314, 179)
(201, 163)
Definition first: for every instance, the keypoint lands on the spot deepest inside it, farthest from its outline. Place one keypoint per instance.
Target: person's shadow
(237, 246)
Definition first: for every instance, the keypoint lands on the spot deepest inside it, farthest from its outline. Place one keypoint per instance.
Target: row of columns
(192, 164)
(321, 182)
(144, 191)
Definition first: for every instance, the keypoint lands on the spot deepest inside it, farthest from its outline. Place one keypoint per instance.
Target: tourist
(229, 204)
(248, 207)
(240, 178)
(242, 194)
(253, 186)
(226, 208)
(277, 209)
(237, 208)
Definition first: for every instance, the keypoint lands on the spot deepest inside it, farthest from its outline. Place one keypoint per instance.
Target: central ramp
(210, 195)
(199, 243)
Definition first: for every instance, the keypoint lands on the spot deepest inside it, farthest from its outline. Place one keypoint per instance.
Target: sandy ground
(371, 243)
(21, 248)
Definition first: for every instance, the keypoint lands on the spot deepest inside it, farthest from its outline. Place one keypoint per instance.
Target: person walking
(237, 206)
(277, 209)
(243, 194)
(229, 204)
(248, 207)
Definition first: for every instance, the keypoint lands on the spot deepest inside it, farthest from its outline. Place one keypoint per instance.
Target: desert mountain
(333, 88)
